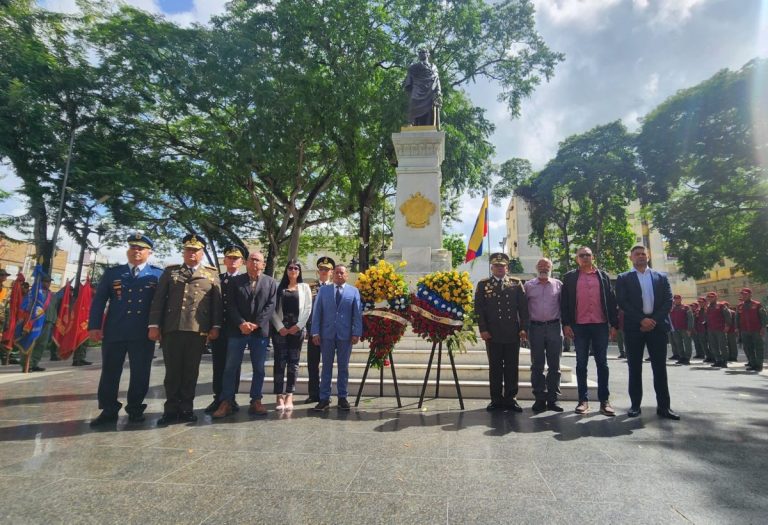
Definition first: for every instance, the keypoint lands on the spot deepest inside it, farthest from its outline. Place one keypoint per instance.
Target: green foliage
(454, 243)
(704, 151)
(515, 266)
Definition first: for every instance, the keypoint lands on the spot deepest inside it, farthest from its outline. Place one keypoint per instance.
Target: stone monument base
(420, 260)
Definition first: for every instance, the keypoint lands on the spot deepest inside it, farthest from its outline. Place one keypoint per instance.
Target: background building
(19, 256)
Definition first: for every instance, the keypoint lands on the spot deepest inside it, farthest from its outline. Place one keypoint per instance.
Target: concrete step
(412, 388)
(466, 372)
(421, 355)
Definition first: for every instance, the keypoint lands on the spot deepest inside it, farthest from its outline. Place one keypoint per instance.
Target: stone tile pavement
(378, 464)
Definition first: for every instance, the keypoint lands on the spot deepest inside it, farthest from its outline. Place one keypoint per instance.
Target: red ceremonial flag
(13, 312)
(64, 320)
(77, 333)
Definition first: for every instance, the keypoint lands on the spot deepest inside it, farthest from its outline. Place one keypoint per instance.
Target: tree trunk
(43, 247)
(364, 250)
(293, 244)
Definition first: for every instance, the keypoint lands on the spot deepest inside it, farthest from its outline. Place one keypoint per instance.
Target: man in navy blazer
(337, 324)
(128, 290)
(646, 299)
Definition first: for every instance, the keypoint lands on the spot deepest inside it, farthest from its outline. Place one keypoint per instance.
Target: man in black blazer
(646, 299)
(589, 316)
(250, 304)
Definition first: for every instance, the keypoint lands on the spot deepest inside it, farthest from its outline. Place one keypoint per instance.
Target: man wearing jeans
(589, 316)
(546, 338)
(250, 304)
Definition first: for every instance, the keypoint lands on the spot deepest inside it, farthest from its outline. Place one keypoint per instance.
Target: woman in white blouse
(294, 304)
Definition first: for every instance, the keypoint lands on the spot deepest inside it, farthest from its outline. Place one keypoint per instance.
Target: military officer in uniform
(502, 311)
(324, 267)
(751, 320)
(186, 312)
(233, 260)
(682, 327)
(126, 292)
(718, 318)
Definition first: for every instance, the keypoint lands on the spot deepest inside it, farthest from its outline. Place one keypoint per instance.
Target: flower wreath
(383, 326)
(442, 303)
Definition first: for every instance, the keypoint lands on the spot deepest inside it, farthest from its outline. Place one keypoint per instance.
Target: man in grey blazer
(250, 305)
(337, 324)
(646, 299)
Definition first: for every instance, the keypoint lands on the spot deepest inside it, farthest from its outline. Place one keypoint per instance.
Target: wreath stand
(381, 380)
(439, 347)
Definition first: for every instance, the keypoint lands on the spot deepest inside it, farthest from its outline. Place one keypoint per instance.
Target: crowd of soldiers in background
(712, 331)
(44, 344)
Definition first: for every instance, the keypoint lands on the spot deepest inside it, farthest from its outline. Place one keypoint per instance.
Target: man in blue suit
(337, 324)
(128, 289)
(646, 299)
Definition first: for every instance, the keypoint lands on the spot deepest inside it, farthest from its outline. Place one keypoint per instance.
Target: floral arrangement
(383, 326)
(441, 307)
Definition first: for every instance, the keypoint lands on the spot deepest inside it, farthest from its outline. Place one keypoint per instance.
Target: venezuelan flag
(475, 244)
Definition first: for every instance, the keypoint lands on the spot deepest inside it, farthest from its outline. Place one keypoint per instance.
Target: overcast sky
(623, 57)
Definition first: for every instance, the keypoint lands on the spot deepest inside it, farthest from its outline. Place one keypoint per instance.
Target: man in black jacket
(646, 299)
(250, 304)
(589, 316)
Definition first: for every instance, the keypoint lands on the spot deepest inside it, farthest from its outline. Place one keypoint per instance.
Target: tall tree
(705, 151)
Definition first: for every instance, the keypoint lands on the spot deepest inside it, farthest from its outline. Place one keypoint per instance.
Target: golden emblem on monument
(417, 210)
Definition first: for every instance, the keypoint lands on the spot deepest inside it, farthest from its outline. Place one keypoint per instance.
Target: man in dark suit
(250, 303)
(502, 316)
(186, 312)
(589, 315)
(337, 324)
(324, 267)
(128, 289)
(233, 259)
(646, 299)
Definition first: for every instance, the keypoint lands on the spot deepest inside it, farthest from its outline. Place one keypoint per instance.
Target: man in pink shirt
(545, 335)
(589, 315)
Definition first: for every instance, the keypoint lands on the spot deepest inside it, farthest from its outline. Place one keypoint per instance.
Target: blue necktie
(338, 295)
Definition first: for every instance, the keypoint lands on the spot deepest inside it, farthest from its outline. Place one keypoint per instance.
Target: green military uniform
(502, 311)
(732, 338)
(718, 319)
(682, 327)
(186, 306)
(751, 319)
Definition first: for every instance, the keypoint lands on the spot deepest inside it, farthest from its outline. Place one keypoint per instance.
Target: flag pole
(488, 225)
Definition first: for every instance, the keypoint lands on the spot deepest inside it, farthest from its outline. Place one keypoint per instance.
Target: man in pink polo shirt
(589, 315)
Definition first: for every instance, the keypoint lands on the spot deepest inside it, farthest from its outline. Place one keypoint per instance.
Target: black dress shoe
(167, 419)
(622, 356)
(634, 412)
(77, 363)
(674, 358)
(715, 364)
(104, 419)
(13, 361)
(37, 369)
(311, 399)
(685, 361)
(55, 358)
(210, 409)
(494, 406)
(513, 406)
(667, 414)
(539, 406)
(187, 417)
(749, 368)
(343, 403)
(235, 406)
(136, 417)
(322, 406)
(554, 406)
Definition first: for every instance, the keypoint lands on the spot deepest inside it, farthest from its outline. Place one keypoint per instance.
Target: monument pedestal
(418, 238)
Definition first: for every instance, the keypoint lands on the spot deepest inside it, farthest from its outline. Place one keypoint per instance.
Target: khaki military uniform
(502, 310)
(185, 307)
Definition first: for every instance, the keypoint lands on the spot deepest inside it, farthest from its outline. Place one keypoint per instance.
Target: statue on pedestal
(423, 87)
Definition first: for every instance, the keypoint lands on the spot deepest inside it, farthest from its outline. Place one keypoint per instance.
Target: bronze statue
(423, 87)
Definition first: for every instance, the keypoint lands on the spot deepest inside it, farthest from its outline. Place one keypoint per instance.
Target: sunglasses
(293, 268)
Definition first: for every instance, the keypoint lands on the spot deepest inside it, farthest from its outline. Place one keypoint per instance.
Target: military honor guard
(700, 319)
(502, 312)
(751, 320)
(126, 293)
(324, 267)
(682, 328)
(646, 299)
(718, 318)
(186, 312)
(233, 260)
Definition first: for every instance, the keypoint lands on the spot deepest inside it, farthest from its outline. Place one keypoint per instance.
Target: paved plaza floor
(378, 464)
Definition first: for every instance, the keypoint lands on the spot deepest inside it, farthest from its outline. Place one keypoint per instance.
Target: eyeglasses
(293, 268)
(585, 255)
